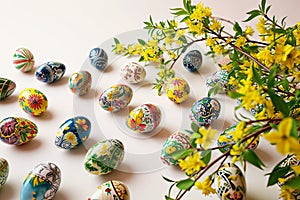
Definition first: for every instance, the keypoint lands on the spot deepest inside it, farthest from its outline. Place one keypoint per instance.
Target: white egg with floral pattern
(73, 132)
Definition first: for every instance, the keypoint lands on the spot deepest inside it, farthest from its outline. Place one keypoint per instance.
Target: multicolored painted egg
(229, 139)
(50, 72)
(7, 87)
(41, 183)
(4, 170)
(111, 190)
(115, 97)
(104, 156)
(144, 118)
(218, 79)
(205, 111)
(133, 72)
(192, 61)
(177, 90)
(80, 82)
(23, 60)
(292, 161)
(73, 132)
(257, 108)
(33, 101)
(231, 182)
(17, 130)
(177, 141)
(98, 58)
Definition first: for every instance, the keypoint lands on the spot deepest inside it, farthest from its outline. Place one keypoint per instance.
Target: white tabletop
(65, 31)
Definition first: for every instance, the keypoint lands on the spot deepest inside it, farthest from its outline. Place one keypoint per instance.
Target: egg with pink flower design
(178, 90)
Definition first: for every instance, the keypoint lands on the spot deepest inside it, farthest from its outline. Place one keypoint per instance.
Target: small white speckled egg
(231, 182)
(133, 72)
(144, 118)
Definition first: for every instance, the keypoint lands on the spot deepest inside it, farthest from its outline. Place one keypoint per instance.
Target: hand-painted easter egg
(226, 138)
(80, 82)
(205, 111)
(104, 156)
(254, 109)
(111, 190)
(7, 87)
(50, 72)
(17, 130)
(133, 72)
(98, 58)
(192, 61)
(23, 60)
(41, 183)
(4, 170)
(33, 101)
(177, 90)
(73, 132)
(144, 118)
(115, 97)
(231, 182)
(290, 161)
(177, 141)
(218, 79)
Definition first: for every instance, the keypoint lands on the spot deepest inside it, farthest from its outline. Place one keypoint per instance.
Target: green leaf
(252, 158)
(194, 127)
(179, 13)
(182, 153)
(168, 180)
(142, 42)
(185, 184)
(278, 30)
(206, 156)
(278, 173)
(193, 138)
(256, 76)
(294, 130)
(252, 14)
(116, 41)
(271, 77)
(263, 5)
(285, 84)
(279, 103)
(268, 8)
(235, 95)
(294, 183)
(237, 29)
(168, 198)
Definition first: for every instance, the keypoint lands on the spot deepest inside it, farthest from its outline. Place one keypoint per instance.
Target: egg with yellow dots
(178, 90)
(144, 118)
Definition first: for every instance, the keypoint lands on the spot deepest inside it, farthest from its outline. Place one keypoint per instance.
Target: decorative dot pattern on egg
(205, 111)
(17, 130)
(177, 90)
(231, 182)
(144, 118)
(50, 72)
(104, 156)
(133, 72)
(80, 82)
(176, 142)
(42, 182)
(7, 87)
(98, 58)
(115, 97)
(4, 171)
(73, 132)
(220, 79)
(23, 60)
(111, 190)
(192, 61)
(33, 101)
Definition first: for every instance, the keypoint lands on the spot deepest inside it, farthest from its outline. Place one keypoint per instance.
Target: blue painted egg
(205, 111)
(41, 183)
(104, 156)
(115, 97)
(218, 79)
(4, 170)
(98, 58)
(192, 61)
(231, 182)
(73, 132)
(7, 87)
(80, 82)
(50, 72)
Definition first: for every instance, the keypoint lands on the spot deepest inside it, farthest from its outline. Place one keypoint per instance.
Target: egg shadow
(48, 115)
(7, 191)
(63, 81)
(10, 99)
(90, 95)
(30, 146)
(78, 151)
(60, 195)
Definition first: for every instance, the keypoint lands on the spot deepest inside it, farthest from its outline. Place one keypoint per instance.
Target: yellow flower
(240, 41)
(205, 186)
(82, 123)
(296, 169)
(237, 149)
(287, 193)
(285, 143)
(265, 56)
(119, 48)
(191, 164)
(70, 137)
(210, 42)
(216, 25)
(261, 26)
(207, 136)
(218, 49)
(249, 30)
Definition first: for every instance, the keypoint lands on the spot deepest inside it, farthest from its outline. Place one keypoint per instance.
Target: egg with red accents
(178, 90)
